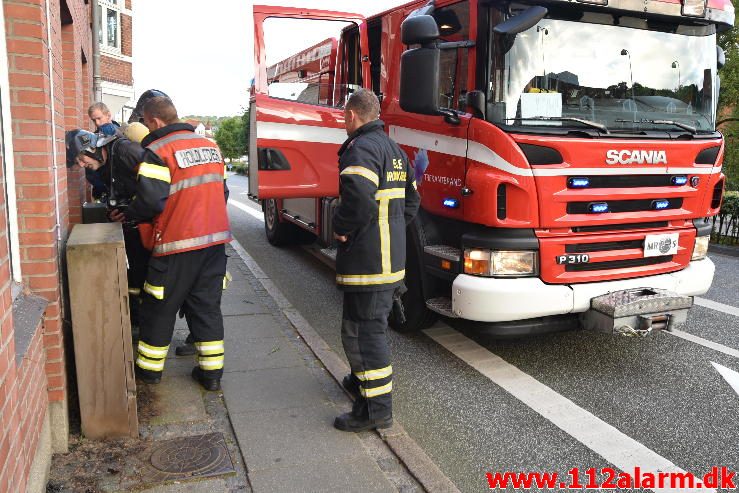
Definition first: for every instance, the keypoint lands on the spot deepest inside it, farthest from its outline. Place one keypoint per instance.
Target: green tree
(229, 137)
(245, 130)
(729, 104)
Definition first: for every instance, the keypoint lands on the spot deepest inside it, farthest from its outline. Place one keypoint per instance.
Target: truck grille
(630, 181)
(619, 264)
(603, 246)
(620, 227)
(612, 255)
(615, 206)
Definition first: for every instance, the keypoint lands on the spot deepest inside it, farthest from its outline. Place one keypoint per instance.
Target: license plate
(660, 245)
(573, 259)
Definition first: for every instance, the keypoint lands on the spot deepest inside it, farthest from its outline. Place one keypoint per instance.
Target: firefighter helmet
(77, 142)
(135, 132)
(138, 112)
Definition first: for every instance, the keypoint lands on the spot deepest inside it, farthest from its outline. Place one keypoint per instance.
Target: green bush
(240, 168)
(730, 207)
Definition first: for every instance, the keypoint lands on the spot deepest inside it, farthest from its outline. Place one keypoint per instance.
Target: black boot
(147, 376)
(210, 384)
(351, 384)
(354, 423)
(188, 348)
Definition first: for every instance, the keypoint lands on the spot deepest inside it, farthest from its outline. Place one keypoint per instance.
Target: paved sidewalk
(269, 430)
(282, 402)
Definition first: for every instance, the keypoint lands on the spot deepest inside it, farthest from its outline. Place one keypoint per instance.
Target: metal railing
(726, 223)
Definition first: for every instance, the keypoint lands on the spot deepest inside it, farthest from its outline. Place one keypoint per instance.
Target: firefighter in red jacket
(181, 191)
(378, 199)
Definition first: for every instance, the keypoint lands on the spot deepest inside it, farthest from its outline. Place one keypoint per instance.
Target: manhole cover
(189, 457)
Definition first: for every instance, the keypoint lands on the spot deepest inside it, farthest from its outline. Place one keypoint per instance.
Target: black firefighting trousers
(193, 278)
(138, 261)
(364, 336)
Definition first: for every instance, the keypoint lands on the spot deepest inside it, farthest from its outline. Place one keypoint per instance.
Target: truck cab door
(296, 107)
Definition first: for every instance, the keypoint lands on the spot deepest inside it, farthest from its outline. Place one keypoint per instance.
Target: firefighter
(115, 161)
(181, 190)
(378, 199)
(136, 131)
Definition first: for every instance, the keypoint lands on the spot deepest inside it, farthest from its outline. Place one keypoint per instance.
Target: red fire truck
(565, 151)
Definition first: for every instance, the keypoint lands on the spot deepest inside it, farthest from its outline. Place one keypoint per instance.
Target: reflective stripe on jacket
(378, 199)
(181, 189)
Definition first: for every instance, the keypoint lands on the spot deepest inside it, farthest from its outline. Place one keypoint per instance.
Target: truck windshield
(625, 74)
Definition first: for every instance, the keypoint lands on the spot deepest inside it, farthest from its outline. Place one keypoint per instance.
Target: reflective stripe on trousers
(150, 357)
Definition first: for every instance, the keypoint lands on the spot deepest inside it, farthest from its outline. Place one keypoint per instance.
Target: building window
(109, 32)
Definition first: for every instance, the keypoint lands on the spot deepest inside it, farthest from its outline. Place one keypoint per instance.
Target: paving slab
(357, 476)
(207, 486)
(251, 327)
(178, 400)
(298, 436)
(242, 307)
(257, 354)
(276, 388)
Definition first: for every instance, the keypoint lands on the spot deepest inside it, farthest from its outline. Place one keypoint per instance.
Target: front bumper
(502, 300)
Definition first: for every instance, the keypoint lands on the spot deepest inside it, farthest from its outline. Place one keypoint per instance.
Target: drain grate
(190, 457)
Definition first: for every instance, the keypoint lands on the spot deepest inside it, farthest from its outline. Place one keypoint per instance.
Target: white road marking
(731, 377)
(614, 446)
(249, 210)
(704, 342)
(719, 307)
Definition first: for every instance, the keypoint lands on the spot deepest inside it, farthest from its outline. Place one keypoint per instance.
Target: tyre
(279, 233)
(419, 285)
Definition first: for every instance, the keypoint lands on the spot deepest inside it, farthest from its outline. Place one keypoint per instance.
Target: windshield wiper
(587, 123)
(684, 126)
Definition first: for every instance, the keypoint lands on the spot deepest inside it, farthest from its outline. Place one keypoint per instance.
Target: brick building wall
(127, 35)
(33, 380)
(114, 70)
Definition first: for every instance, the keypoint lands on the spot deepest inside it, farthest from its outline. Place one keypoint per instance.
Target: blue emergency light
(660, 204)
(578, 182)
(679, 180)
(451, 203)
(598, 208)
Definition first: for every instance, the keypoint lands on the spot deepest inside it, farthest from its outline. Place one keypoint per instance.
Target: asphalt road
(634, 401)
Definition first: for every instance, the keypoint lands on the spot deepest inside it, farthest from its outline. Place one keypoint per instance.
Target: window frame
(8, 164)
(461, 81)
(116, 6)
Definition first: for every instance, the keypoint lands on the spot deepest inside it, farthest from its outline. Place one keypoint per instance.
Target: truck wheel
(279, 233)
(417, 315)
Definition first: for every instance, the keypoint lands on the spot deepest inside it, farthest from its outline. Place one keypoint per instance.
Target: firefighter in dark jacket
(181, 190)
(115, 160)
(378, 198)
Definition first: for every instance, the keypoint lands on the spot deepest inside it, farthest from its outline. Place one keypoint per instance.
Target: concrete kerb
(426, 472)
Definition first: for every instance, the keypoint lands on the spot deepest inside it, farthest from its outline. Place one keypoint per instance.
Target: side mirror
(720, 57)
(419, 80)
(419, 29)
(521, 22)
(476, 102)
